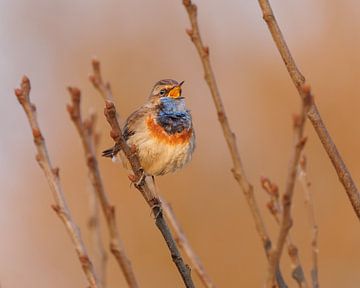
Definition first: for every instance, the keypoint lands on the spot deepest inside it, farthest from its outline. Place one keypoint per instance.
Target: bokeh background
(138, 43)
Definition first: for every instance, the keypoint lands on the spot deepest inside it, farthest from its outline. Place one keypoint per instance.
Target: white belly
(159, 158)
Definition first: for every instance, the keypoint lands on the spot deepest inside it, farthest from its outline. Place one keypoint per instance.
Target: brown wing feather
(128, 129)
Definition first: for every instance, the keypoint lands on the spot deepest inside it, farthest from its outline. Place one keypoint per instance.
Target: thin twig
(104, 88)
(276, 210)
(309, 201)
(52, 175)
(313, 114)
(230, 138)
(99, 251)
(184, 244)
(85, 129)
(94, 223)
(142, 184)
(286, 220)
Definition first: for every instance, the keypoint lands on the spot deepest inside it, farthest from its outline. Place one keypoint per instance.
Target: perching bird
(161, 130)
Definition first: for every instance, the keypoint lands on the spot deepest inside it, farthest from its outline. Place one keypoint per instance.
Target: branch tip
(75, 93)
(109, 105)
(95, 63)
(18, 92)
(25, 80)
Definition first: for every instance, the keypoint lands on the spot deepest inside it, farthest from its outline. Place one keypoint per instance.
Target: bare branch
(230, 138)
(309, 201)
(100, 255)
(94, 224)
(86, 132)
(52, 175)
(142, 185)
(184, 244)
(104, 88)
(237, 170)
(313, 114)
(286, 220)
(276, 210)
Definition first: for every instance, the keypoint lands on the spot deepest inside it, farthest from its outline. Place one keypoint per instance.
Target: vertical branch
(52, 175)
(85, 130)
(286, 220)
(141, 184)
(230, 138)
(237, 170)
(100, 255)
(184, 244)
(313, 114)
(103, 88)
(309, 201)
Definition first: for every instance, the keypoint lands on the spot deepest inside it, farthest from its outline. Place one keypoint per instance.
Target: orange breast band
(160, 134)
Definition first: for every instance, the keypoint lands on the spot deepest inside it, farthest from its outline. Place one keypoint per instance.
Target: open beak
(176, 91)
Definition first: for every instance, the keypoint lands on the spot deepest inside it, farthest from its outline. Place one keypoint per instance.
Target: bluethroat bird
(161, 130)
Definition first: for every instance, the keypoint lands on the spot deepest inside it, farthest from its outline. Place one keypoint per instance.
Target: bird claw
(132, 178)
(137, 182)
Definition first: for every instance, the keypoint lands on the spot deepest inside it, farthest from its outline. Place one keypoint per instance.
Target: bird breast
(161, 152)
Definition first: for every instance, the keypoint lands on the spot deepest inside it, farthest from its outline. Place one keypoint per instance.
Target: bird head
(167, 88)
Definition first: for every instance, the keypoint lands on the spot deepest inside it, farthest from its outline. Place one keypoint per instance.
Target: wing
(134, 121)
(129, 129)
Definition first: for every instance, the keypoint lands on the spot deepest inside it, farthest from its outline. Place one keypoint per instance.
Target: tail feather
(111, 152)
(108, 152)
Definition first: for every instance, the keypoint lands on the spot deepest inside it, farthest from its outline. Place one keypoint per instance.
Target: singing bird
(161, 130)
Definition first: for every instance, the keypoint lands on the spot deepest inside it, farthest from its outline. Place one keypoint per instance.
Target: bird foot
(137, 182)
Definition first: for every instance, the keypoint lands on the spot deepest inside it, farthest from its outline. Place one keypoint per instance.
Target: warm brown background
(140, 42)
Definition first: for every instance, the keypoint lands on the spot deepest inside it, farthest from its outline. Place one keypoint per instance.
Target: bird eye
(162, 92)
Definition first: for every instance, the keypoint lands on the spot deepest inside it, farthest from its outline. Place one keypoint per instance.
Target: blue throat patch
(173, 116)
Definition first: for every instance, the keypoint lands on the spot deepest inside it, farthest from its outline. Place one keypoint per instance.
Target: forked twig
(184, 244)
(286, 220)
(309, 201)
(52, 175)
(313, 114)
(85, 130)
(276, 210)
(142, 185)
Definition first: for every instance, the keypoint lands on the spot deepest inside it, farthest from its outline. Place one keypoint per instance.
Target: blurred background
(138, 43)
